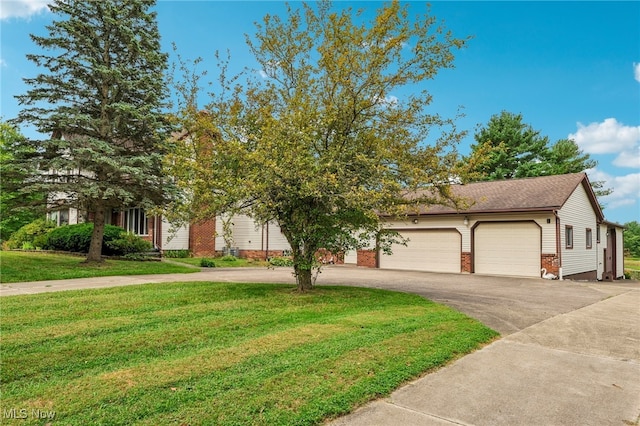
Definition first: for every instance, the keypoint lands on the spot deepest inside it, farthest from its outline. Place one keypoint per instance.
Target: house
(512, 227)
(205, 238)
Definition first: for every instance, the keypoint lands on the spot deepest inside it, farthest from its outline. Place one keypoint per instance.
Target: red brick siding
(259, 254)
(465, 262)
(202, 238)
(551, 263)
(367, 258)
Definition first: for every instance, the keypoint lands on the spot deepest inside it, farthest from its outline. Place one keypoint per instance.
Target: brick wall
(259, 254)
(465, 262)
(367, 258)
(551, 263)
(202, 238)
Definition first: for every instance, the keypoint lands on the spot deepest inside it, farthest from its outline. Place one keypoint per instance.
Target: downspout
(558, 244)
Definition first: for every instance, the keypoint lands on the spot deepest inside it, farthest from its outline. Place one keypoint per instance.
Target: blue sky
(572, 69)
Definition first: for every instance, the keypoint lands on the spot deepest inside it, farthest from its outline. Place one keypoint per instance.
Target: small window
(135, 221)
(60, 217)
(598, 234)
(589, 238)
(568, 236)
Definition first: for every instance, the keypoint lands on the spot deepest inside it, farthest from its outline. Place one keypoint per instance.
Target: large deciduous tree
(508, 148)
(333, 129)
(99, 98)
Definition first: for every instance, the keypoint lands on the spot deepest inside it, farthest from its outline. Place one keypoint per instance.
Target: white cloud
(263, 74)
(636, 71)
(3, 63)
(21, 8)
(606, 137)
(626, 189)
(629, 158)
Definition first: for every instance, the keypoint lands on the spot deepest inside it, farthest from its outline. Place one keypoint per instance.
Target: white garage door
(427, 250)
(511, 248)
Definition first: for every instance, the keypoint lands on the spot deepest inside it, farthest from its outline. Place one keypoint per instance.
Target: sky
(571, 69)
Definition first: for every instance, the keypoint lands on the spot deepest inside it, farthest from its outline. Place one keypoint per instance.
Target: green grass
(632, 267)
(221, 263)
(37, 266)
(224, 354)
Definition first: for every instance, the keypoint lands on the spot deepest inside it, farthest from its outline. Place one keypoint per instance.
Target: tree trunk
(303, 278)
(95, 248)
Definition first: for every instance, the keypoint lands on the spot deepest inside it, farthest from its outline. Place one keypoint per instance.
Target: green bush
(207, 263)
(176, 254)
(32, 235)
(229, 258)
(281, 261)
(77, 238)
(128, 243)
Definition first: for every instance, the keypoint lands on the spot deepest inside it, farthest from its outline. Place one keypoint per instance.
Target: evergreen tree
(99, 99)
(507, 148)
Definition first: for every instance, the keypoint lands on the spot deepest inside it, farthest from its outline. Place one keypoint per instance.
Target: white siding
(619, 252)
(600, 247)
(578, 213)
(247, 235)
(174, 238)
(351, 257)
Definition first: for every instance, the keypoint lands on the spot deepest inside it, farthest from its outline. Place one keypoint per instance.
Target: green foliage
(100, 99)
(176, 254)
(229, 258)
(30, 236)
(322, 144)
(77, 238)
(16, 208)
(280, 261)
(507, 148)
(207, 263)
(127, 244)
(632, 238)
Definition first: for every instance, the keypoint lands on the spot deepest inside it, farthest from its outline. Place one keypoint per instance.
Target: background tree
(16, 209)
(325, 140)
(100, 100)
(507, 148)
(632, 238)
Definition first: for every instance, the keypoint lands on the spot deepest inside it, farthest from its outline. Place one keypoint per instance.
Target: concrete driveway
(570, 352)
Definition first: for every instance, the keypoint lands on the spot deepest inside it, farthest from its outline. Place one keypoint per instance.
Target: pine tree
(100, 100)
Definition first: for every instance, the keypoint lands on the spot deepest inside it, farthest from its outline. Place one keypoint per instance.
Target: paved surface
(570, 352)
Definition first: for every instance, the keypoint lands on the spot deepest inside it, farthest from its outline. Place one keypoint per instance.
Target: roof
(545, 193)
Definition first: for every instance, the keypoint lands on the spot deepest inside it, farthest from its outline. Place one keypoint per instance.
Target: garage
(507, 248)
(426, 250)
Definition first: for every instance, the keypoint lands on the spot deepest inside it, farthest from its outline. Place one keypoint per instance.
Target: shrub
(176, 254)
(128, 243)
(207, 263)
(31, 235)
(280, 261)
(77, 238)
(229, 258)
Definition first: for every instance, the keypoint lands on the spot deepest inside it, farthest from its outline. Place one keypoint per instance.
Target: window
(589, 237)
(60, 217)
(568, 236)
(135, 221)
(598, 234)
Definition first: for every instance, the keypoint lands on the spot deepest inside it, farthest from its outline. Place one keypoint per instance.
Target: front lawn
(224, 262)
(38, 266)
(212, 353)
(632, 267)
